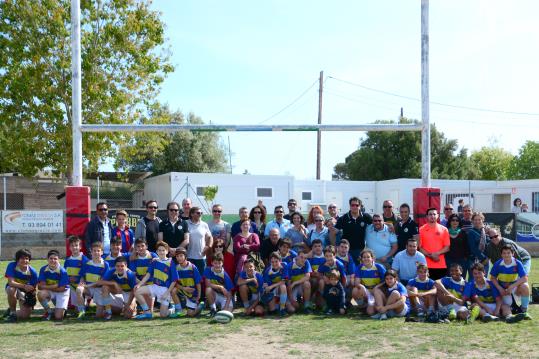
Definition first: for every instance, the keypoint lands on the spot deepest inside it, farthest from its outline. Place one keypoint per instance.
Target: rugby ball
(223, 316)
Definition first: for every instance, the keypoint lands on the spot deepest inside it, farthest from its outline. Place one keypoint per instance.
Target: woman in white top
(200, 239)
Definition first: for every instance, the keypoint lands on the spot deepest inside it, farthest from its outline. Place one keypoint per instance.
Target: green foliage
(210, 192)
(490, 163)
(123, 65)
(526, 164)
(183, 151)
(387, 155)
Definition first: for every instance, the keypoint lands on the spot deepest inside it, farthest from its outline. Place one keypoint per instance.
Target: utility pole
(319, 133)
(76, 99)
(425, 132)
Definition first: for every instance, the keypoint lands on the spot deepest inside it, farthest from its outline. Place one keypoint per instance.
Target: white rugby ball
(223, 316)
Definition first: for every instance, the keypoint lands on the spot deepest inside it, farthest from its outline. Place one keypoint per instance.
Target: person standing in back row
(173, 230)
(434, 243)
(148, 226)
(406, 228)
(353, 225)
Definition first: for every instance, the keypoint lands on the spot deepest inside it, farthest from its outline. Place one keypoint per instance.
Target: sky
(248, 62)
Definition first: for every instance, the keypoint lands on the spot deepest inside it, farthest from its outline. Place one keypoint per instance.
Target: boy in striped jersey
(422, 292)
(90, 274)
(21, 281)
(275, 277)
(509, 277)
(299, 286)
(139, 261)
(163, 275)
(367, 276)
(287, 255)
(485, 296)
(118, 290)
(188, 287)
(346, 259)
(53, 284)
(450, 292)
(250, 288)
(218, 286)
(73, 264)
(316, 259)
(115, 252)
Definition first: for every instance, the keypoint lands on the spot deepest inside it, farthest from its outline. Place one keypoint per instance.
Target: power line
(434, 102)
(291, 103)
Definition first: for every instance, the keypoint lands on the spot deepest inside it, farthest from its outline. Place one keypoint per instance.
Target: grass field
(297, 336)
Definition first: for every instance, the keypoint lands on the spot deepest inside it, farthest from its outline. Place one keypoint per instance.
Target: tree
(490, 163)
(526, 164)
(183, 151)
(123, 65)
(387, 155)
(209, 194)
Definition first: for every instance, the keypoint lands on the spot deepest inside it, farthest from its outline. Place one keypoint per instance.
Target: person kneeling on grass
(299, 286)
(188, 287)
(53, 284)
(487, 302)
(163, 275)
(334, 294)
(73, 264)
(367, 276)
(21, 282)
(390, 297)
(510, 278)
(218, 286)
(275, 277)
(422, 292)
(250, 284)
(90, 274)
(118, 286)
(450, 292)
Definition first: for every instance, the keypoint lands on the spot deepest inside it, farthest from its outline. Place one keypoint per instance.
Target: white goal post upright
(79, 128)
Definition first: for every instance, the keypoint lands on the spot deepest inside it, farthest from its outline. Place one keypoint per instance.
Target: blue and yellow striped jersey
(289, 257)
(188, 276)
(92, 272)
(421, 285)
(29, 276)
(272, 276)
(254, 288)
(326, 268)
(507, 274)
(111, 260)
(454, 287)
(370, 277)
(220, 278)
(73, 265)
(486, 293)
(126, 281)
(140, 264)
(295, 272)
(316, 261)
(348, 262)
(56, 276)
(163, 272)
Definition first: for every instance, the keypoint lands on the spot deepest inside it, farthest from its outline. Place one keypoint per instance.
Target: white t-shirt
(197, 239)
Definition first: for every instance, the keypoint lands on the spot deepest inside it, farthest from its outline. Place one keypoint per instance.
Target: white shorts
(507, 299)
(392, 313)
(19, 293)
(220, 300)
(491, 306)
(455, 306)
(60, 299)
(96, 295)
(119, 300)
(73, 300)
(157, 291)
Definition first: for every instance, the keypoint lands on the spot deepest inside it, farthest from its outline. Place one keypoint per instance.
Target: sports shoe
(452, 314)
(329, 312)
(527, 316)
(47, 316)
(383, 316)
(307, 310)
(376, 316)
(487, 318)
(201, 306)
(212, 313)
(6, 313)
(475, 313)
(12, 318)
(81, 315)
(108, 316)
(283, 313)
(177, 314)
(144, 316)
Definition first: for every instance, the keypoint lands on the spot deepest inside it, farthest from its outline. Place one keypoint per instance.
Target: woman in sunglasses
(200, 239)
(258, 217)
(458, 249)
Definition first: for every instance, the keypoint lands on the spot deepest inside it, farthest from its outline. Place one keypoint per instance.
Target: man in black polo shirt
(406, 227)
(173, 230)
(148, 226)
(292, 207)
(353, 225)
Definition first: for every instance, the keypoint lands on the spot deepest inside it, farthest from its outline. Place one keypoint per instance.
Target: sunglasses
(152, 207)
(388, 206)
(354, 205)
(216, 211)
(103, 209)
(279, 212)
(332, 207)
(292, 204)
(455, 220)
(173, 209)
(258, 212)
(199, 213)
(377, 220)
(319, 220)
(448, 209)
(219, 246)
(496, 236)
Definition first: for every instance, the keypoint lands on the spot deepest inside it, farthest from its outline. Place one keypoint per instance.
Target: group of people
(382, 264)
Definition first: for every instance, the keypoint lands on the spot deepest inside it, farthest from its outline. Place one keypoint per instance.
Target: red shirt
(433, 239)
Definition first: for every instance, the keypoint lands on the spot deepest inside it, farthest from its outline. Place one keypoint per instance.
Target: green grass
(349, 336)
